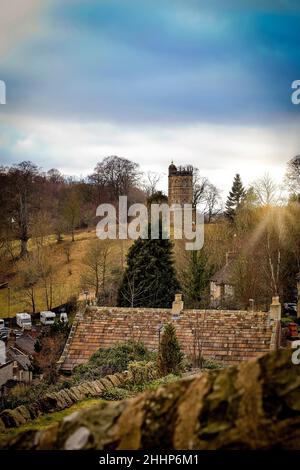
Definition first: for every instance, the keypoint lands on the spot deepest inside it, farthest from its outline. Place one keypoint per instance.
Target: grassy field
(67, 275)
(46, 420)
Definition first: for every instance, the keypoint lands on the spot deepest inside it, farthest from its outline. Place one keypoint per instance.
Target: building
(221, 284)
(180, 185)
(25, 344)
(15, 367)
(6, 373)
(22, 368)
(227, 336)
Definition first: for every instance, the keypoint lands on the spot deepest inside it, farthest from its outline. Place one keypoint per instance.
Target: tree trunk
(33, 300)
(23, 224)
(24, 249)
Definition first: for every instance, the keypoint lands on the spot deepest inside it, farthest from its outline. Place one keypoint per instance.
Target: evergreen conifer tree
(196, 277)
(235, 198)
(170, 356)
(149, 279)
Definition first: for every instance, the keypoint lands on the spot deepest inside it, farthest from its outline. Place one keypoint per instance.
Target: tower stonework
(180, 190)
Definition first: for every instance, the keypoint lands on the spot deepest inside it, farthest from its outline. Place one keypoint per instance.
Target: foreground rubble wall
(255, 405)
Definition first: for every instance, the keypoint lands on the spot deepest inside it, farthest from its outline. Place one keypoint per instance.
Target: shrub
(37, 346)
(170, 356)
(112, 360)
(115, 394)
(286, 320)
(187, 364)
(154, 384)
(143, 371)
(211, 364)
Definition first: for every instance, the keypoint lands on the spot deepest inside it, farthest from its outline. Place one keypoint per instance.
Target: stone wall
(253, 406)
(225, 336)
(57, 401)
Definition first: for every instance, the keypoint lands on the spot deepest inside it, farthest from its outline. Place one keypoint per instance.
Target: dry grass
(67, 275)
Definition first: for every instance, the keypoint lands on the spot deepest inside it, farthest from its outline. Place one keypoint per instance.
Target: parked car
(290, 307)
(3, 336)
(2, 324)
(18, 333)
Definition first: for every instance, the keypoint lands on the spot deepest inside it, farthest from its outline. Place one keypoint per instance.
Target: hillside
(67, 274)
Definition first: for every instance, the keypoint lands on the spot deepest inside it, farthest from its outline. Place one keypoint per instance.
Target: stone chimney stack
(275, 309)
(177, 305)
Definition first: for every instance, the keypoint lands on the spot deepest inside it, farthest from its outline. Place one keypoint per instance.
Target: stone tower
(180, 189)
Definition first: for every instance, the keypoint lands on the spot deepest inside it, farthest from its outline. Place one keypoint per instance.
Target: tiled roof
(224, 275)
(229, 336)
(20, 358)
(26, 344)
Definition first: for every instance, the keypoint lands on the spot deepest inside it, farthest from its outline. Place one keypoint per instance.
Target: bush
(170, 356)
(211, 364)
(115, 394)
(112, 360)
(187, 364)
(143, 372)
(154, 384)
(286, 320)
(37, 346)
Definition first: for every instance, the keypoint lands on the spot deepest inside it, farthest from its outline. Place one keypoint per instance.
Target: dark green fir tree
(235, 198)
(149, 279)
(170, 356)
(196, 278)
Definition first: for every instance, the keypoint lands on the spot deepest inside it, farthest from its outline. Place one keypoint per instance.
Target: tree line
(260, 226)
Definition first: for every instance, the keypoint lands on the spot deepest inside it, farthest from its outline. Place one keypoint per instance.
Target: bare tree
(292, 177)
(200, 184)
(23, 180)
(134, 293)
(150, 183)
(67, 248)
(30, 277)
(116, 173)
(95, 262)
(213, 202)
(71, 209)
(98, 181)
(266, 191)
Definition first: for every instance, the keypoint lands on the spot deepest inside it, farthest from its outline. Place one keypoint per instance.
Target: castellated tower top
(180, 184)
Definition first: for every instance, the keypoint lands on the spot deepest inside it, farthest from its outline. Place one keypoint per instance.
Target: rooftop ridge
(227, 336)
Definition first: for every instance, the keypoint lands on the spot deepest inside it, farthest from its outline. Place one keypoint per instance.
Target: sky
(193, 81)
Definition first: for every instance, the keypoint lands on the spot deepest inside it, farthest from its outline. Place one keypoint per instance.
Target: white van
(63, 317)
(47, 317)
(2, 324)
(24, 321)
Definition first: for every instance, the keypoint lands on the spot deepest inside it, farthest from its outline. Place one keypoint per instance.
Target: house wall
(6, 373)
(215, 291)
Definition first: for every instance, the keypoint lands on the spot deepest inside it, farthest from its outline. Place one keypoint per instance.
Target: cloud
(17, 20)
(200, 82)
(168, 62)
(219, 151)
